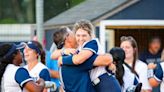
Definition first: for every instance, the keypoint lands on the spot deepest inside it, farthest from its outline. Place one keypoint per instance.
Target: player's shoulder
(91, 42)
(42, 66)
(141, 64)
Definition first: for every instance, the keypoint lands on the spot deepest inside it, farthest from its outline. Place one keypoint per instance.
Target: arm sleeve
(22, 76)
(92, 46)
(67, 60)
(143, 77)
(158, 73)
(44, 74)
(89, 63)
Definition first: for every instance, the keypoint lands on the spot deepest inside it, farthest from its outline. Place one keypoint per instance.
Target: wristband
(150, 73)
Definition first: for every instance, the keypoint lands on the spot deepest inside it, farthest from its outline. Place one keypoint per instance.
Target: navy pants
(107, 84)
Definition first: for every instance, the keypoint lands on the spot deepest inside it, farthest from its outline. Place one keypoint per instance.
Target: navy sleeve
(88, 65)
(22, 76)
(92, 46)
(44, 74)
(67, 60)
(158, 73)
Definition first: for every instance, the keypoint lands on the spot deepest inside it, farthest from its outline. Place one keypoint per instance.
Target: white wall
(16, 32)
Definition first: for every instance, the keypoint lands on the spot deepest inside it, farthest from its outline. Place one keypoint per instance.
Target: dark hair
(135, 48)
(42, 54)
(118, 55)
(154, 38)
(4, 61)
(59, 37)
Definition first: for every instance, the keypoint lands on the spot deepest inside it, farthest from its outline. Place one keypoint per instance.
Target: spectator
(130, 47)
(153, 53)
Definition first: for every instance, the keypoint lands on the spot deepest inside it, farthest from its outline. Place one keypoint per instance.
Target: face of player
(30, 54)
(71, 39)
(17, 59)
(155, 46)
(82, 36)
(127, 47)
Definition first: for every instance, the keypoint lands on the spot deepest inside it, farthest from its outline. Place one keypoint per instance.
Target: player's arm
(155, 74)
(103, 60)
(31, 86)
(54, 74)
(56, 54)
(87, 51)
(81, 57)
(25, 81)
(45, 75)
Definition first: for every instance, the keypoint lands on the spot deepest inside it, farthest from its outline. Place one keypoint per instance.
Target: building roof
(89, 9)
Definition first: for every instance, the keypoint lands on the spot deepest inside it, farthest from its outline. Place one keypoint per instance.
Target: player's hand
(112, 67)
(40, 82)
(69, 51)
(151, 66)
(60, 61)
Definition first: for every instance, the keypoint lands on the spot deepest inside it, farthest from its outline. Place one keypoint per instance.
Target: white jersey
(129, 78)
(141, 69)
(9, 79)
(12, 81)
(35, 72)
(97, 71)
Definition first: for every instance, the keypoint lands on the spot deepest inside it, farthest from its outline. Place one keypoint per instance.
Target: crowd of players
(79, 64)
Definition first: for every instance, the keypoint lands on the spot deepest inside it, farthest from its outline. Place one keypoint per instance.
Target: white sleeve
(143, 78)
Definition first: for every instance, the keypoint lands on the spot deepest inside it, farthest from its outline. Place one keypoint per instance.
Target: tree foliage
(23, 11)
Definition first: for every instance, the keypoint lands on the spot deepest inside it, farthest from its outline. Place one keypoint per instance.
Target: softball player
(156, 75)
(14, 78)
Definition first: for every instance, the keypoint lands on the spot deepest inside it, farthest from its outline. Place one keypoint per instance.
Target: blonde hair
(85, 25)
(162, 56)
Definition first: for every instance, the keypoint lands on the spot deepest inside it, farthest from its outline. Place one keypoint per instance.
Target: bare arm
(153, 82)
(103, 60)
(81, 57)
(56, 54)
(31, 86)
(54, 74)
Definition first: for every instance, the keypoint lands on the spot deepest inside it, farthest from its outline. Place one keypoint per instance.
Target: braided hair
(6, 58)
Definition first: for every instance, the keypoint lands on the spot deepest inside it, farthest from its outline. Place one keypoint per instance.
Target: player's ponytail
(42, 51)
(118, 58)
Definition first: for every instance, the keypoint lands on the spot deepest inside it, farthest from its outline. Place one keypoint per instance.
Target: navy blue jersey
(159, 75)
(147, 57)
(76, 78)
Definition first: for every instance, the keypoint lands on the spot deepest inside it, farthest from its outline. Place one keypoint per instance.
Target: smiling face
(30, 54)
(82, 36)
(127, 47)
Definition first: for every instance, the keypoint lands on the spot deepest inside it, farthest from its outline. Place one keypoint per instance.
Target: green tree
(23, 11)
